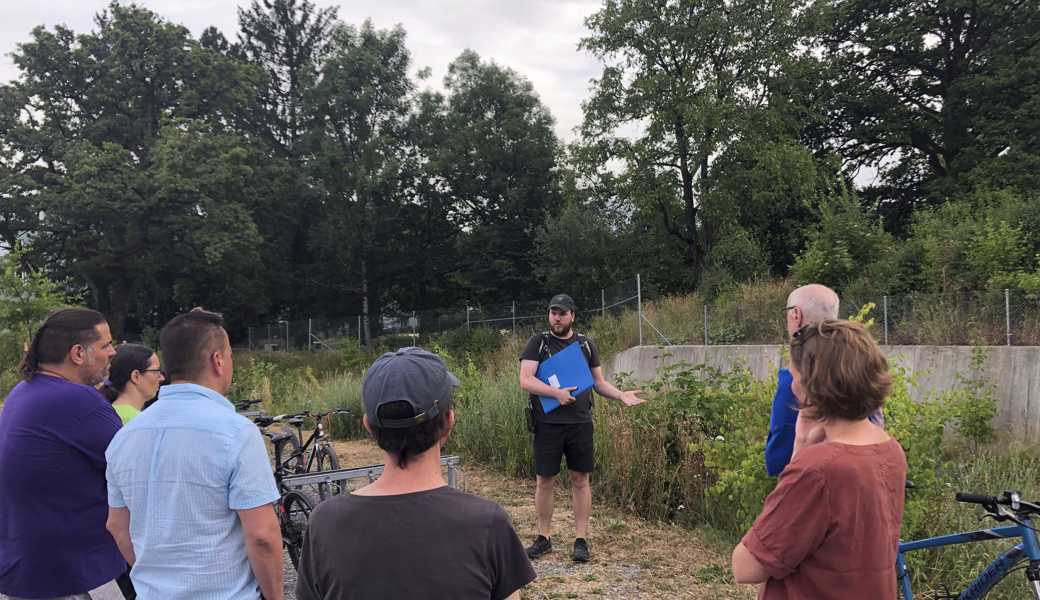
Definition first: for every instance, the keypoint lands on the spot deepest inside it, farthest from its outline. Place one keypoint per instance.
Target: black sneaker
(581, 551)
(542, 545)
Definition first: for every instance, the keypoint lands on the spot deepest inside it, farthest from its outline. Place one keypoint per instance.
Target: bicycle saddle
(281, 434)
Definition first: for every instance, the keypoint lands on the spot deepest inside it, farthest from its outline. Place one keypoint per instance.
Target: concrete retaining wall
(1015, 370)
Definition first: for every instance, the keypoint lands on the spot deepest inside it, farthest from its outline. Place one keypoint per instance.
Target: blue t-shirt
(782, 420)
(182, 468)
(53, 508)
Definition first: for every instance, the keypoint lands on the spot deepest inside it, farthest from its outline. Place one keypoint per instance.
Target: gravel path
(290, 578)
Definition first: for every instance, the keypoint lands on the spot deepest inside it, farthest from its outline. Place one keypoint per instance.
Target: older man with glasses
(812, 303)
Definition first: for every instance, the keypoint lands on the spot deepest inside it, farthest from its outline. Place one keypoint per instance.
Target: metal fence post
(513, 312)
(884, 304)
(1007, 314)
(287, 335)
(310, 336)
(250, 339)
(359, 341)
(268, 336)
(602, 302)
(415, 324)
(706, 325)
(639, 306)
(467, 317)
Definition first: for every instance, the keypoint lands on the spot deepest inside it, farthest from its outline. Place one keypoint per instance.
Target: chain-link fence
(749, 315)
(514, 316)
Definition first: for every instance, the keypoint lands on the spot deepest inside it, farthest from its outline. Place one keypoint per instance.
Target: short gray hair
(817, 302)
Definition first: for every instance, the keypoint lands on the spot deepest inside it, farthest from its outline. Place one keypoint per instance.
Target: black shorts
(553, 441)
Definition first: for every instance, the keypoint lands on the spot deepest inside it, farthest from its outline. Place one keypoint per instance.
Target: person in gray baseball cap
(376, 542)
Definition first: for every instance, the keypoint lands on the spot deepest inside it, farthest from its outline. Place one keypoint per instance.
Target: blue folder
(566, 368)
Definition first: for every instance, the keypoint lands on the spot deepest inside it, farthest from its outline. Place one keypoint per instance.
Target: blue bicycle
(1026, 555)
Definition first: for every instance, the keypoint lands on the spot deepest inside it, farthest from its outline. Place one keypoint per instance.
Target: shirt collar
(191, 389)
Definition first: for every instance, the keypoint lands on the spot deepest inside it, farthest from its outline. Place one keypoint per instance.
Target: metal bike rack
(371, 472)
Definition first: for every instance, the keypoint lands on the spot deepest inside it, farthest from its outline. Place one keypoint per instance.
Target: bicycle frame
(993, 573)
(281, 466)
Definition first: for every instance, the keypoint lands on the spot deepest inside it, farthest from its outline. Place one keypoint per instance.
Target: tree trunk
(692, 237)
(366, 332)
(118, 307)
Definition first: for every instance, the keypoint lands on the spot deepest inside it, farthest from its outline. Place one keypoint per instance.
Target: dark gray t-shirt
(578, 412)
(441, 543)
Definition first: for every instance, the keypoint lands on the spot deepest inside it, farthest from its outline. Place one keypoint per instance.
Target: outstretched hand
(631, 397)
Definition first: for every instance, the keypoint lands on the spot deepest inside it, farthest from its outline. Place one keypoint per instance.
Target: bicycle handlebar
(265, 420)
(1010, 499)
(976, 499)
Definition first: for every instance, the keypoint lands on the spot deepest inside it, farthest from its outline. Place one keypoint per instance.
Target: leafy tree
(848, 246)
(930, 91)
(85, 123)
(496, 163)
(288, 40)
(683, 73)
(362, 103)
(26, 295)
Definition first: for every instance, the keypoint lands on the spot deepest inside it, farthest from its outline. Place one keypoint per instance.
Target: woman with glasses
(830, 528)
(133, 379)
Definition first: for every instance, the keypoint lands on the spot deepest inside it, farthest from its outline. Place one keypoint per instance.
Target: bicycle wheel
(996, 572)
(325, 459)
(293, 516)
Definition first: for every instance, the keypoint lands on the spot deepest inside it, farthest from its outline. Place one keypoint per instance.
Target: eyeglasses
(787, 308)
(149, 370)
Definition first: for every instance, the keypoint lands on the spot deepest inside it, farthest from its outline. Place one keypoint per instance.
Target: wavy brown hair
(843, 372)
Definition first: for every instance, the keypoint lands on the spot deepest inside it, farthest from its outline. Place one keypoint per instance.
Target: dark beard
(562, 334)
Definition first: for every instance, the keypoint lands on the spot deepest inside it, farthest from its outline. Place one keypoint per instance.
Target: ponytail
(63, 329)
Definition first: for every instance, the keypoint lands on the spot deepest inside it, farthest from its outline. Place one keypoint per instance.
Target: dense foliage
(297, 167)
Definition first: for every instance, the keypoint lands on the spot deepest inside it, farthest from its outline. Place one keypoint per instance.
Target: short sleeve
(115, 493)
(510, 567)
(793, 523)
(593, 354)
(95, 433)
(531, 349)
(252, 479)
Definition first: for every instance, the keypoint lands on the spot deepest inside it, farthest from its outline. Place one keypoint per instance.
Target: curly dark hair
(842, 370)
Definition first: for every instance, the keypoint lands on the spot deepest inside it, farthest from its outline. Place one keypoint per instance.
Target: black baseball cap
(563, 301)
(412, 375)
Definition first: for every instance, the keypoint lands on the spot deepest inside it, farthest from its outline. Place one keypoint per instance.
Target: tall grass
(989, 470)
(693, 454)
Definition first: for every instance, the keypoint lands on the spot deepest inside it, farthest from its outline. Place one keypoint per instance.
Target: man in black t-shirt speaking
(409, 535)
(566, 431)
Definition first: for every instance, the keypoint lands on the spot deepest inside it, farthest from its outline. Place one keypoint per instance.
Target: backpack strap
(543, 346)
(585, 347)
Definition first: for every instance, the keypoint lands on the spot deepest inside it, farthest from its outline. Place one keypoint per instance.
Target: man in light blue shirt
(190, 485)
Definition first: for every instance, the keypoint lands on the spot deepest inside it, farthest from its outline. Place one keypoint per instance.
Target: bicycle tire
(325, 459)
(1015, 556)
(293, 517)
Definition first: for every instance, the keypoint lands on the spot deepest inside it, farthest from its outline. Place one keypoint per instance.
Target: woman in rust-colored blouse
(830, 528)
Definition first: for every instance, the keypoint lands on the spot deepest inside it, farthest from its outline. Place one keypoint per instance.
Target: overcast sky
(536, 38)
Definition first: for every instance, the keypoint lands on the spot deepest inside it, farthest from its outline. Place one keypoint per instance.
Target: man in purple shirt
(54, 429)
